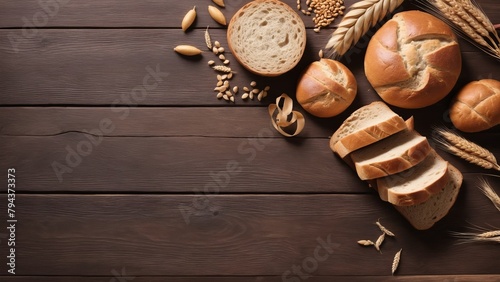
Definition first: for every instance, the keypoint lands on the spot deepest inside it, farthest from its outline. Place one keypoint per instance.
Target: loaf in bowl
(413, 60)
(267, 37)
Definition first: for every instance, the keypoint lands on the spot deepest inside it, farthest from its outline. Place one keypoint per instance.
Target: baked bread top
(413, 60)
(267, 37)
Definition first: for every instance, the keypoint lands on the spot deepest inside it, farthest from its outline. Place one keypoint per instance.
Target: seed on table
(253, 83)
(264, 93)
(259, 97)
(225, 97)
(255, 91)
(230, 75)
(246, 89)
(219, 3)
(231, 98)
(226, 83)
(267, 88)
(235, 89)
(187, 50)
(215, 50)
(211, 62)
(228, 93)
(217, 15)
(226, 62)
(219, 83)
(219, 95)
(250, 95)
(320, 53)
(217, 44)
(224, 77)
(219, 77)
(244, 96)
(222, 57)
(317, 29)
(221, 49)
(188, 19)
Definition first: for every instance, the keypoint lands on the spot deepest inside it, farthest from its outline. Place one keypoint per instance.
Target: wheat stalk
(465, 149)
(356, 22)
(468, 20)
(488, 191)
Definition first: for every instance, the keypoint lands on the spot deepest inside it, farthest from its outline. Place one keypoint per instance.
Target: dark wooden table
(167, 183)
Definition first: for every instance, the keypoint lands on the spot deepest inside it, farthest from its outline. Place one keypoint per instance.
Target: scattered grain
(187, 50)
(188, 19)
(246, 89)
(379, 241)
(395, 262)
(215, 50)
(222, 57)
(219, 95)
(221, 49)
(217, 15)
(211, 62)
(231, 98)
(208, 40)
(235, 89)
(253, 83)
(219, 3)
(217, 44)
(244, 96)
(255, 90)
(383, 229)
(366, 242)
(225, 97)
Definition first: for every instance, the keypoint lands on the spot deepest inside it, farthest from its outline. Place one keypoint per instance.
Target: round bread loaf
(326, 88)
(413, 60)
(477, 106)
(267, 37)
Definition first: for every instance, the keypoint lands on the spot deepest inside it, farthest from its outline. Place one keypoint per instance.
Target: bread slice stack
(399, 163)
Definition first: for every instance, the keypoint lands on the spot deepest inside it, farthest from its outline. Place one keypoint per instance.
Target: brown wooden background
(118, 215)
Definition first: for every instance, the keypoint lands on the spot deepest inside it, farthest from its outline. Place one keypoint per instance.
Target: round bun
(326, 88)
(477, 106)
(413, 60)
(267, 37)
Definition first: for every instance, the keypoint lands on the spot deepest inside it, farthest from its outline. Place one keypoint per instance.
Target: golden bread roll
(413, 60)
(326, 88)
(477, 106)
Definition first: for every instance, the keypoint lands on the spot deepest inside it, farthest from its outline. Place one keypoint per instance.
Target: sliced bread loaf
(424, 215)
(365, 126)
(391, 155)
(417, 184)
(267, 37)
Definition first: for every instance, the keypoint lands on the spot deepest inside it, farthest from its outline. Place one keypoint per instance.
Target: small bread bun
(326, 88)
(477, 106)
(267, 37)
(413, 60)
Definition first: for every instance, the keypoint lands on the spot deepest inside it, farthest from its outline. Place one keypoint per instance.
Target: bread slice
(391, 155)
(267, 37)
(365, 126)
(417, 184)
(424, 215)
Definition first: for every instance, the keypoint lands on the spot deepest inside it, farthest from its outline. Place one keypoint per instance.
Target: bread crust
(396, 164)
(477, 106)
(291, 16)
(368, 136)
(416, 197)
(413, 61)
(326, 88)
(436, 212)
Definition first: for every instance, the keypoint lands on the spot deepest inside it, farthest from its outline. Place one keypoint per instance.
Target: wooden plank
(109, 67)
(425, 278)
(81, 162)
(129, 13)
(231, 235)
(117, 13)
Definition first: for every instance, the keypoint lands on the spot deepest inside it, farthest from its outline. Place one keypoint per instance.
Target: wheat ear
(468, 20)
(356, 22)
(488, 191)
(465, 149)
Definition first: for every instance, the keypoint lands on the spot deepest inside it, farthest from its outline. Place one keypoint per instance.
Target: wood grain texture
(103, 67)
(239, 235)
(81, 162)
(424, 278)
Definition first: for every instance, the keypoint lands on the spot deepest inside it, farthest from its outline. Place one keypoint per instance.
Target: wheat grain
(208, 40)
(468, 20)
(187, 50)
(359, 19)
(465, 149)
(466, 145)
(488, 191)
(379, 241)
(188, 19)
(222, 68)
(383, 229)
(366, 242)
(395, 262)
